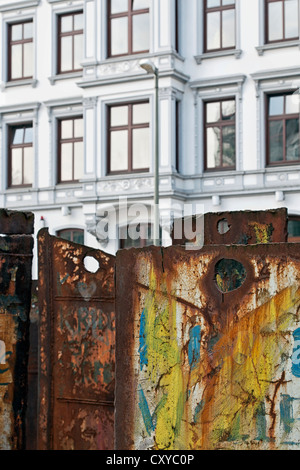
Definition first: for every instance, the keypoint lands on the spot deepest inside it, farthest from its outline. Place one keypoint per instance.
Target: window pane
(28, 59)
(28, 165)
(228, 146)
(16, 166)
(66, 129)
(66, 24)
(66, 54)
(228, 2)
(66, 162)
(294, 228)
(276, 105)
(78, 236)
(28, 135)
(140, 148)
(228, 110)
(78, 51)
(140, 113)
(119, 36)
(140, 34)
(16, 32)
(213, 3)
(78, 22)
(275, 21)
(213, 147)
(276, 141)
(18, 135)
(292, 104)
(140, 4)
(118, 150)
(119, 116)
(213, 112)
(213, 30)
(118, 6)
(291, 18)
(28, 33)
(78, 128)
(78, 160)
(292, 139)
(228, 29)
(16, 61)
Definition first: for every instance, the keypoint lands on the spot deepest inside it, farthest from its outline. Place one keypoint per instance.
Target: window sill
(65, 76)
(277, 45)
(214, 55)
(23, 82)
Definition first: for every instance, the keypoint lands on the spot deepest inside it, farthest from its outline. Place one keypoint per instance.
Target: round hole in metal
(229, 275)
(91, 264)
(223, 226)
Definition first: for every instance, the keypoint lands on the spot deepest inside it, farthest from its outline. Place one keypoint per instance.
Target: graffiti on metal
(77, 337)
(234, 228)
(208, 347)
(15, 286)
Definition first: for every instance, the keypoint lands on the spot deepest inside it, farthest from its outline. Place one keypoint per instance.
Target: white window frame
(268, 82)
(201, 54)
(8, 20)
(211, 89)
(13, 116)
(58, 10)
(263, 46)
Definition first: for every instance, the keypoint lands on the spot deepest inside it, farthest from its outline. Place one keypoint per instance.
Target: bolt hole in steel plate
(229, 275)
(91, 264)
(223, 226)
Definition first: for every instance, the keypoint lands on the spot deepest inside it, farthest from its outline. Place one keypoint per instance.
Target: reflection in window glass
(21, 155)
(213, 147)
(219, 25)
(140, 25)
(72, 235)
(20, 51)
(213, 31)
(70, 52)
(283, 20)
(71, 165)
(140, 148)
(119, 151)
(228, 28)
(119, 35)
(276, 105)
(118, 6)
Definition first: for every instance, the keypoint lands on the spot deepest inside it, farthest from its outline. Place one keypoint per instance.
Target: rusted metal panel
(16, 223)
(77, 346)
(235, 228)
(202, 366)
(15, 287)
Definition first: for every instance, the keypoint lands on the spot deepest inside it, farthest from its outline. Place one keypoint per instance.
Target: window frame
(72, 33)
(70, 140)
(129, 13)
(23, 41)
(266, 24)
(10, 146)
(220, 8)
(284, 117)
(295, 239)
(72, 230)
(142, 241)
(128, 127)
(219, 124)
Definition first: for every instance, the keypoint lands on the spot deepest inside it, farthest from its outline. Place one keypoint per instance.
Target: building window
(20, 56)
(128, 138)
(132, 239)
(128, 27)
(281, 20)
(282, 129)
(219, 28)
(72, 234)
(20, 164)
(70, 42)
(220, 148)
(294, 229)
(70, 151)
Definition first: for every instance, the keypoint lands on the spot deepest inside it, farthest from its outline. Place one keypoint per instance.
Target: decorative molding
(90, 102)
(11, 5)
(20, 108)
(91, 227)
(129, 184)
(214, 55)
(277, 45)
(65, 76)
(228, 80)
(30, 82)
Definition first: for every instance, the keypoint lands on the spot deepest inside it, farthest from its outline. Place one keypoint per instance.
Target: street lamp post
(151, 69)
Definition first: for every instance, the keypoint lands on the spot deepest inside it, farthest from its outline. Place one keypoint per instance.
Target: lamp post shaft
(156, 167)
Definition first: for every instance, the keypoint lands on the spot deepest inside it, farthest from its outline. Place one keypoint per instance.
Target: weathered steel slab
(235, 228)
(15, 288)
(16, 223)
(202, 366)
(77, 346)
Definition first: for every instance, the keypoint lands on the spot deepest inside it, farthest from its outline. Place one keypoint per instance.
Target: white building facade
(78, 112)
